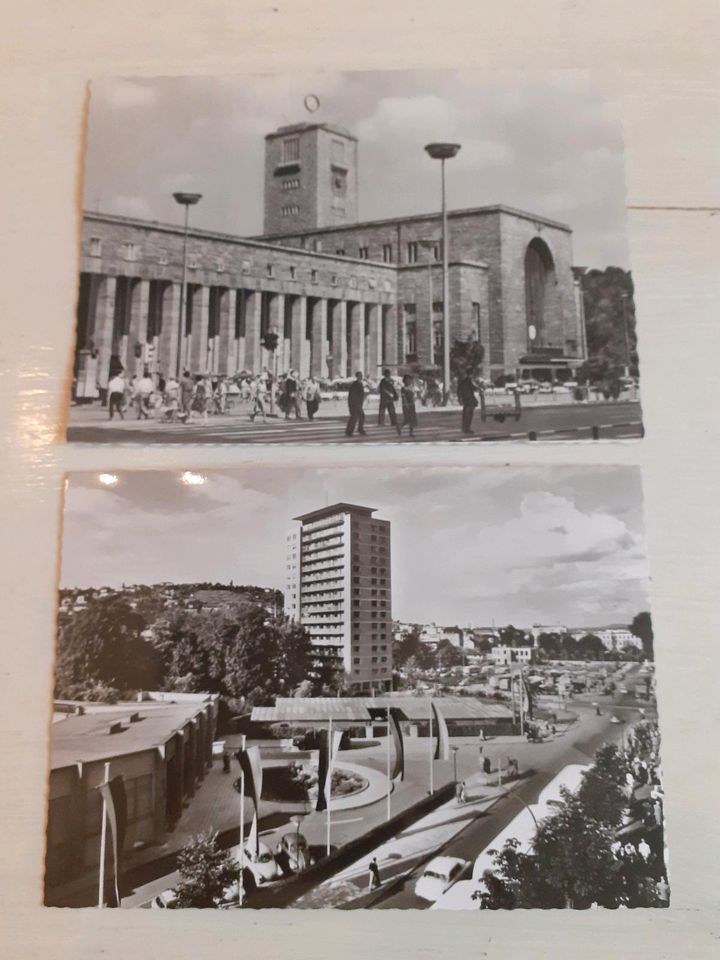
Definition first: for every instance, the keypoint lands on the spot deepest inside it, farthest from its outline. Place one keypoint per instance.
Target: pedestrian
(311, 396)
(486, 765)
(143, 391)
(374, 871)
(221, 396)
(482, 734)
(466, 396)
(116, 395)
(292, 396)
(200, 398)
(356, 400)
(258, 391)
(187, 388)
(388, 396)
(407, 395)
(644, 849)
(663, 891)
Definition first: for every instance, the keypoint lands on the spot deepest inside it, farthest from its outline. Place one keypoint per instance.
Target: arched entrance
(539, 273)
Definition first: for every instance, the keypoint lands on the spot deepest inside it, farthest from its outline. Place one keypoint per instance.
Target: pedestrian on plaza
(200, 398)
(663, 891)
(388, 396)
(143, 392)
(487, 767)
(374, 871)
(644, 849)
(356, 400)
(221, 392)
(461, 792)
(466, 396)
(116, 395)
(292, 396)
(311, 396)
(258, 391)
(187, 388)
(407, 395)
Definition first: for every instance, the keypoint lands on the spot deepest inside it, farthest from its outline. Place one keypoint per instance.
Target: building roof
(358, 709)
(389, 221)
(336, 508)
(87, 738)
(306, 127)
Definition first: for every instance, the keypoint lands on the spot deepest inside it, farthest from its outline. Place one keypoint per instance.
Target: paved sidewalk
(407, 850)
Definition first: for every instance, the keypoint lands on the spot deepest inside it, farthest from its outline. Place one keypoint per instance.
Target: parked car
(263, 866)
(438, 876)
(293, 851)
(545, 388)
(164, 901)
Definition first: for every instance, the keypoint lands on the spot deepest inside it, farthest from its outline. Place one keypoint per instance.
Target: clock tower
(310, 178)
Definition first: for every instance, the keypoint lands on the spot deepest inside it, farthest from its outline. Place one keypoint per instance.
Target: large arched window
(539, 271)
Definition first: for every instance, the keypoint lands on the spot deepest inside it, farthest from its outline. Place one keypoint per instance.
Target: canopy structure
(365, 709)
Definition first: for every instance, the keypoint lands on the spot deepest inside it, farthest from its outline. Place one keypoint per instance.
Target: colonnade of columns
(133, 323)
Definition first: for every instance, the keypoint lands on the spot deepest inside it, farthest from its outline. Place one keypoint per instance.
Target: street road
(621, 420)
(577, 746)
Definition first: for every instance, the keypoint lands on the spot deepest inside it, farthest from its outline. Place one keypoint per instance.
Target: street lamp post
(455, 753)
(186, 200)
(443, 152)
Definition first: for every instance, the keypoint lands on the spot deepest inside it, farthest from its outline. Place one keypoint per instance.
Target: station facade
(341, 295)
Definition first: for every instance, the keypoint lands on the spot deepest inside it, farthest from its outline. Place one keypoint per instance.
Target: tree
(466, 356)
(642, 627)
(590, 647)
(102, 645)
(447, 655)
(510, 636)
(205, 872)
(609, 316)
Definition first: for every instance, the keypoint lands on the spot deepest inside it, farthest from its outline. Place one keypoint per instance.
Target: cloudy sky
(469, 545)
(549, 143)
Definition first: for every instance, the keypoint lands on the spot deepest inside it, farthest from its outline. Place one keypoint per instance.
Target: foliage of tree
(510, 636)
(447, 655)
(409, 646)
(241, 653)
(642, 627)
(102, 646)
(609, 306)
(466, 356)
(205, 872)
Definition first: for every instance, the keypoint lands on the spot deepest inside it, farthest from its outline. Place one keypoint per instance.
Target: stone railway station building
(341, 295)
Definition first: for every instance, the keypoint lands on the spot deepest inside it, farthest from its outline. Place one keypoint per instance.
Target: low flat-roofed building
(161, 746)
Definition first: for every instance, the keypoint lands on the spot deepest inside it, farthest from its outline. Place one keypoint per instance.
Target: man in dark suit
(466, 396)
(356, 399)
(388, 396)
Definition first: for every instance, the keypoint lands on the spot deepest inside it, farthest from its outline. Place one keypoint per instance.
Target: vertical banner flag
(251, 765)
(399, 766)
(113, 793)
(253, 839)
(323, 769)
(334, 747)
(442, 747)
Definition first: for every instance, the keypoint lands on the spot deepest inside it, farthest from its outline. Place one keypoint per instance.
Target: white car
(438, 876)
(164, 901)
(263, 866)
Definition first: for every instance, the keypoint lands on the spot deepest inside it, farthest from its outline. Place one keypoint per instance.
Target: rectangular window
(95, 247)
(340, 252)
(363, 253)
(476, 320)
(410, 337)
(387, 253)
(291, 149)
(292, 273)
(436, 251)
(313, 276)
(290, 211)
(412, 252)
(337, 151)
(131, 251)
(269, 269)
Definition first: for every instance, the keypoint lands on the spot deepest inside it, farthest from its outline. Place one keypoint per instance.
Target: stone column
(374, 341)
(299, 344)
(168, 348)
(139, 299)
(103, 327)
(319, 339)
(356, 321)
(226, 340)
(253, 306)
(276, 324)
(339, 339)
(199, 332)
(389, 334)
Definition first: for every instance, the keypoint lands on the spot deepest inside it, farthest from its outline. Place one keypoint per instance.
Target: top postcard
(396, 257)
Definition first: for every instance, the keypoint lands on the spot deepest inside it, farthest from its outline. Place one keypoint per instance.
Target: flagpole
(328, 787)
(241, 891)
(430, 748)
(388, 763)
(103, 842)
